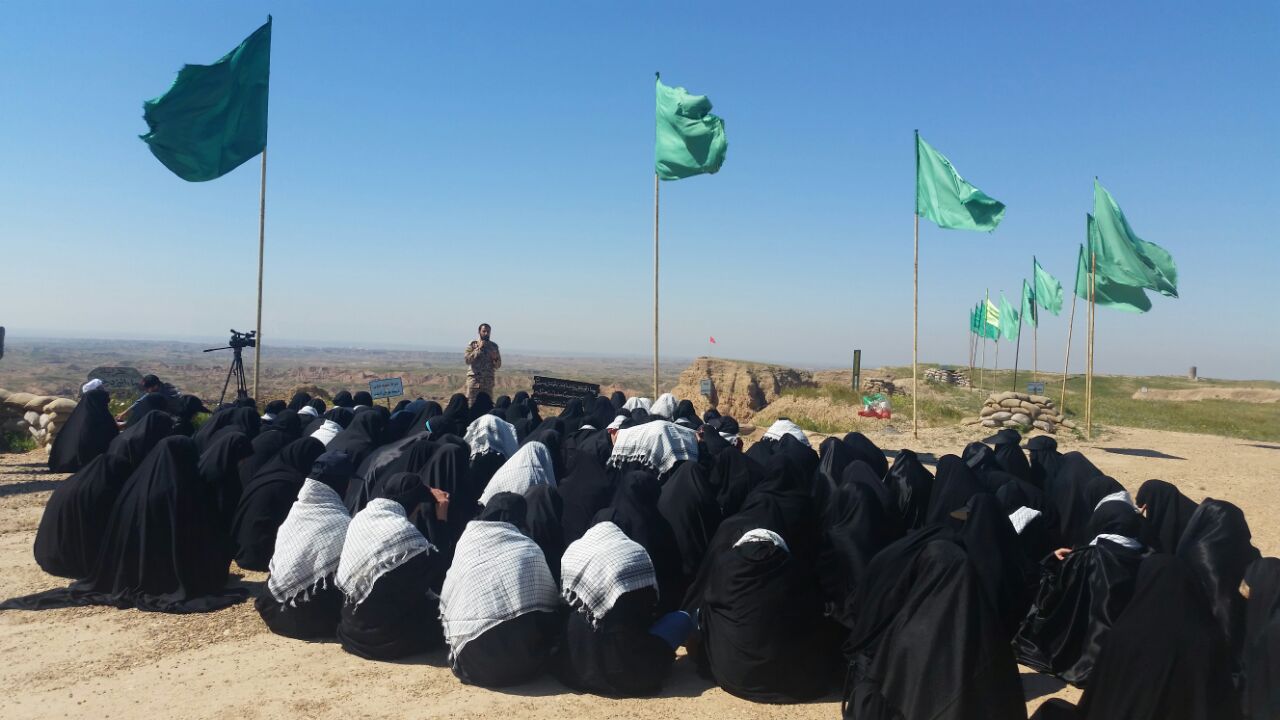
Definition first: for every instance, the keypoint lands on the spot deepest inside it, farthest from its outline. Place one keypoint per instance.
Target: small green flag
(1107, 292)
(945, 198)
(214, 117)
(975, 319)
(1029, 315)
(1048, 291)
(1008, 319)
(1125, 258)
(690, 140)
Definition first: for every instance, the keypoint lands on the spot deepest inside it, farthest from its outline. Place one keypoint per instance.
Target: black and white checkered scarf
(601, 566)
(530, 465)
(497, 575)
(488, 433)
(309, 543)
(379, 540)
(657, 445)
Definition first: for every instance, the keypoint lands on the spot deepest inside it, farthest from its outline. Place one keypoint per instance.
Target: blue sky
(433, 165)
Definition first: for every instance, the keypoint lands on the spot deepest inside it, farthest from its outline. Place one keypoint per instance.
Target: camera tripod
(239, 341)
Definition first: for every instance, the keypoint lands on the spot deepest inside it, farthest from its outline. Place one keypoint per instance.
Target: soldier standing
(483, 358)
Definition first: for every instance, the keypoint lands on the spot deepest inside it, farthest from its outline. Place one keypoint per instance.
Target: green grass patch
(15, 442)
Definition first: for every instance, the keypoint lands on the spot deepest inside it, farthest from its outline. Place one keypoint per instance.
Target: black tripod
(239, 341)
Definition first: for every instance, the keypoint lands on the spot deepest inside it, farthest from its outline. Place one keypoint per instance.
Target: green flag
(975, 320)
(945, 198)
(1029, 315)
(690, 140)
(1008, 319)
(1047, 291)
(1107, 292)
(1125, 258)
(214, 117)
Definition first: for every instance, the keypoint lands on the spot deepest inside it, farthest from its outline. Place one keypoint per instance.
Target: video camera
(243, 340)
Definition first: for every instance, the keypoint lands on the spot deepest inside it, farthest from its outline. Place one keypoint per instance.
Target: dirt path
(102, 662)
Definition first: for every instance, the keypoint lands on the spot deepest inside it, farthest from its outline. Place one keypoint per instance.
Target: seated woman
(499, 605)
(609, 647)
(1165, 657)
(303, 601)
(386, 572)
(87, 433)
(159, 550)
(761, 623)
(265, 502)
(1082, 596)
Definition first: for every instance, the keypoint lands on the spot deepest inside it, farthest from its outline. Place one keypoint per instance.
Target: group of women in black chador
(593, 544)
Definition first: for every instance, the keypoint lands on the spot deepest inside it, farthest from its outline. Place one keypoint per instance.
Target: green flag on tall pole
(1008, 319)
(945, 198)
(1047, 290)
(1029, 315)
(1125, 258)
(1107, 292)
(690, 140)
(214, 117)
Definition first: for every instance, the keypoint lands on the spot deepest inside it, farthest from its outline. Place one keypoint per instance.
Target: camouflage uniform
(482, 361)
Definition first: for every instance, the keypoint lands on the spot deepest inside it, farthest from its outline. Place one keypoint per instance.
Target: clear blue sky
(433, 165)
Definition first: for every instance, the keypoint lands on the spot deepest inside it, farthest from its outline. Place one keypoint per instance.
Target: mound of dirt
(1249, 395)
(740, 389)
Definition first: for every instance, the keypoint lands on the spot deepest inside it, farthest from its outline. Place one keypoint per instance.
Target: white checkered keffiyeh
(379, 540)
(664, 406)
(488, 434)
(529, 466)
(497, 575)
(601, 566)
(657, 445)
(637, 402)
(308, 543)
(786, 427)
(327, 432)
(1022, 517)
(762, 535)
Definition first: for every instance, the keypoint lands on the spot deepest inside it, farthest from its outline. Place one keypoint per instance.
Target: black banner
(557, 393)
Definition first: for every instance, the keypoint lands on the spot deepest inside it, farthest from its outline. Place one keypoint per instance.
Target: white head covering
(664, 406)
(327, 431)
(1118, 496)
(309, 542)
(637, 402)
(379, 539)
(1023, 517)
(269, 417)
(601, 566)
(657, 445)
(488, 434)
(762, 535)
(617, 422)
(497, 575)
(786, 427)
(308, 410)
(93, 384)
(529, 466)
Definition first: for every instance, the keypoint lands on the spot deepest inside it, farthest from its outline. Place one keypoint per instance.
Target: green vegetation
(13, 442)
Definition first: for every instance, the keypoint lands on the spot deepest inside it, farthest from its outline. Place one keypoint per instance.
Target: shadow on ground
(1142, 452)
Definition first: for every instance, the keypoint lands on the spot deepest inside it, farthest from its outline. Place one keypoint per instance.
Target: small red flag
(713, 340)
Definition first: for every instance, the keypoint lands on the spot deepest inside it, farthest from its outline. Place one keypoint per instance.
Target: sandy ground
(107, 663)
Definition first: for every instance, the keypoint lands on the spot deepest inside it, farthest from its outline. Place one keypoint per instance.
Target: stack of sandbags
(1022, 411)
(947, 377)
(39, 415)
(879, 385)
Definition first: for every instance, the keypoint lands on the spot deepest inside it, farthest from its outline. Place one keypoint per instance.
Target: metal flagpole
(982, 372)
(1093, 314)
(1016, 353)
(655, 285)
(1035, 328)
(262, 225)
(915, 310)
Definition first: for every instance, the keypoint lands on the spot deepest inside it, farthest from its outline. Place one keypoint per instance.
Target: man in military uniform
(483, 359)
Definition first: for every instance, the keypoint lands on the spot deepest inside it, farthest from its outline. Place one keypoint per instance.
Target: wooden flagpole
(655, 285)
(982, 375)
(262, 226)
(1035, 327)
(1066, 362)
(1093, 311)
(915, 305)
(1016, 353)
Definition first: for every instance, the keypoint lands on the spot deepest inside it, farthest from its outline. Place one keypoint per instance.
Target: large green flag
(1008, 319)
(214, 117)
(690, 140)
(991, 320)
(1107, 292)
(1124, 257)
(945, 198)
(1029, 314)
(1047, 291)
